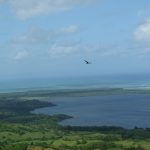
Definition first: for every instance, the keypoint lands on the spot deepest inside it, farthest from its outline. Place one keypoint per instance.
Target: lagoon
(125, 110)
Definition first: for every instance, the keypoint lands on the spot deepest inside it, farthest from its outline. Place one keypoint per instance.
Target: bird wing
(86, 61)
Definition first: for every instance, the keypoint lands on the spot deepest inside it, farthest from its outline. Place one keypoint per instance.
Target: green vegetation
(22, 130)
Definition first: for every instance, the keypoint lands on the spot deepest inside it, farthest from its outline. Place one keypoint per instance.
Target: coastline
(77, 92)
(48, 95)
(63, 99)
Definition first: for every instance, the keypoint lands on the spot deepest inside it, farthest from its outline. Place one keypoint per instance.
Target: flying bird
(87, 62)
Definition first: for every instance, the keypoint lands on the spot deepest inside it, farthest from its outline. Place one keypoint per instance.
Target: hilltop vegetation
(22, 130)
(39, 137)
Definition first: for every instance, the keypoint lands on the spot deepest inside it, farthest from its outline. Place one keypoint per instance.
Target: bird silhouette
(87, 62)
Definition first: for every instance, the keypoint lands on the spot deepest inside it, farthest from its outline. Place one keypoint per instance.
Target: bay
(118, 110)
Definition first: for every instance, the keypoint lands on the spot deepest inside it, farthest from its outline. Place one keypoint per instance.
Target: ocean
(19, 85)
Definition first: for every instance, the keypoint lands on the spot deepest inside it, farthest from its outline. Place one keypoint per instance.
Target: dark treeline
(15, 110)
(22, 106)
(93, 128)
(136, 133)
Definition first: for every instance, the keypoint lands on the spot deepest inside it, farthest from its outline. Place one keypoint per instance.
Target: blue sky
(48, 38)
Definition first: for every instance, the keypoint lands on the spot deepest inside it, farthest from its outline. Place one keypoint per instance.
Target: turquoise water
(119, 110)
(74, 83)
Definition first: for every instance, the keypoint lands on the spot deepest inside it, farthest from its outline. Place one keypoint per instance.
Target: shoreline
(77, 92)
(41, 95)
(82, 95)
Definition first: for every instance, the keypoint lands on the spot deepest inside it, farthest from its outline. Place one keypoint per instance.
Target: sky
(51, 38)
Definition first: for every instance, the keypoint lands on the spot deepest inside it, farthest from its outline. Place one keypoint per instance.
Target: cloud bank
(25, 9)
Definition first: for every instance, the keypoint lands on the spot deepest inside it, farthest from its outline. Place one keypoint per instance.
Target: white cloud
(21, 55)
(28, 8)
(59, 50)
(142, 39)
(33, 36)
(142, 33)
(37, 35)
(70, 29)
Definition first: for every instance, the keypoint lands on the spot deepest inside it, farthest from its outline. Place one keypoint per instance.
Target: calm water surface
(120, 110)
